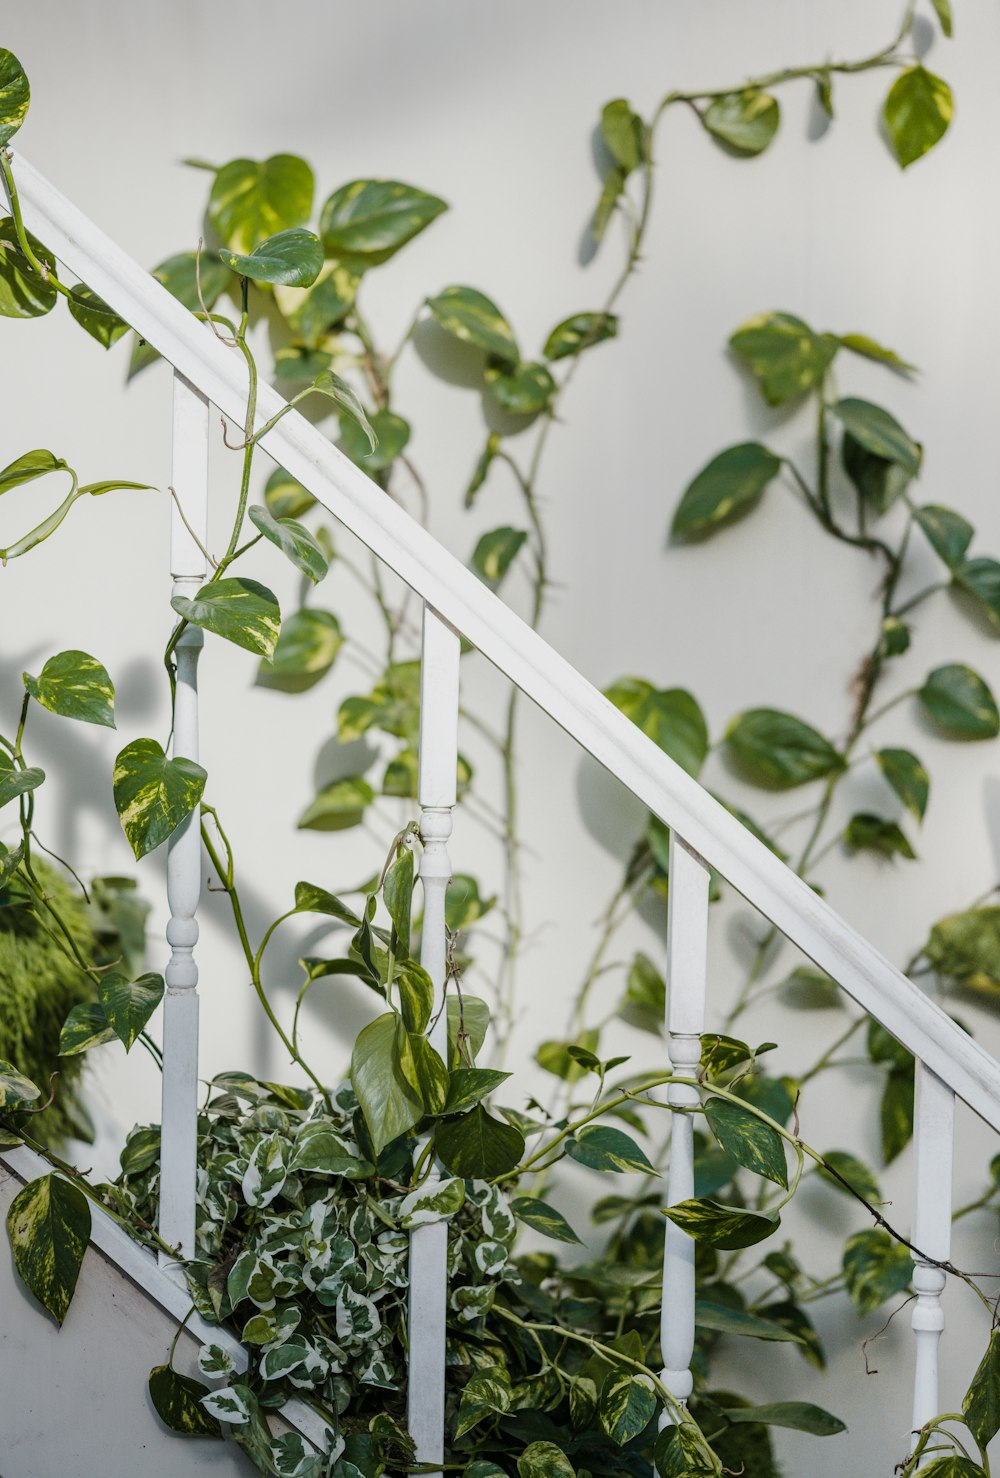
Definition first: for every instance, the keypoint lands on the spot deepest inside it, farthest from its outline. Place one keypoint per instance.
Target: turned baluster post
(436, 793)
(687, 944)
(934, 1142)
(180, 1006)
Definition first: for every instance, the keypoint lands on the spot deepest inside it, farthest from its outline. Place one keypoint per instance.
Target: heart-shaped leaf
(240, 610)
(918, 110)
(29, 466)
(15, 96)
(307, 648)
(153, 794)
(178, 1402)
(49, 1227)
(372, 219)
(75, 685)
(23, 292)
(128, 1004)
(294, 540)
(251, 199)
(292, 258)
(731, 484)
(745, 122)
(471, 316)
(14, 781)
(960, 702)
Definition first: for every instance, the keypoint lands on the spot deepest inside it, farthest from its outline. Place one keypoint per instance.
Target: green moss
(39, 985)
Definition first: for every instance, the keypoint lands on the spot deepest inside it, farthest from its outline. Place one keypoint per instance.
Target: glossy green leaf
(626, 1407)
(312, 314)
(981, 1403)
(15, 781)
(745, 121)
(908, 778)
(339, 806)
(486, 1394)
(142, 1149)
(542, 1217)
(15, 1089)
(732, 483)
(29, 466)
(390, 1104)
(879, 481)
(671, 717)
(23, 292)
(477, 1146)
(544, 1460)
(495, 553)
(15, 96)
(948, 533)
(93, 314)
(392, 434)
(75, 685)
(722, 1319)
(308, 646)
(240, 610)
(128, 1004)
(153, 794)
(372, 219)
(751, 1143)
(966, 947)
(797, 1416)
(523, 390)
(980, 579)
(868, 348)
(346, 400)
(309, 898)
(424, 1070)
(952, 1465)
(603, 1148)
(86, 1026)
(470, 1085)
(177, 1400)
(472, 317)
(918, 110)
(879, 433)
(855, 1172)
(253, 199)
(286, 498)
(579, 332)
(777, 749)
(49, 1227)
(960, 702)
(876, 1267)
(292, 258)
(725, 1227)
(623, 133)
(397, 895)
(869, 832)
(294, 540)
(784, 354)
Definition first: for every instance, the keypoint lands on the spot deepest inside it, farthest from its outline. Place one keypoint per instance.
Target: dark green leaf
(879, 482)
(624, 134)
(15, 782)
(948, 533)
(603, 1148)
(542, 1217)
(751, 1142)
(240, 610)
(966, 946)
(784, 354)
(177, 1399)
(980, 578)
(855, 1172)
(477, 1146)
(128, 1004)
(579, 332)
(797, 1323)
(523, 390)
(75, 685)
(777, 749)
(798, 1416)
(392, 435)
(981, 1403)
(416, 996)
(895, 637)
(339, 806)
(495, 553)
(876, 1266)
(372, 219)
(868, 832)
(153, 795)
(918, 110)
(482, 468)
(346, 401)
(250, 199)
(397, 894)
(725, 1227)
(746, 121)
(959, 700)
(626, 1407)
(486, 1394)
(731, 484)
(908, 778)
(879, 433)
(309, 898)
(307, 648)
(390, 1104)
(23, 292)
(471, 316)
(424, 1070)
(49, 1227)
(722, 1319)
(469, 1085)
(896, 1113)
(294, 540)
(142, 1149)
(93, 314)
(15, 96)
(292, 258)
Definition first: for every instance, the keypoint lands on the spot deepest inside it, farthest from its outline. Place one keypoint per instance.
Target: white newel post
(180, 1006)
(687, 945)
(934, 1141)
(428, 1298)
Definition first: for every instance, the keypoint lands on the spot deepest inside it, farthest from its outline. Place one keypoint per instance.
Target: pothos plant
(305, 1193)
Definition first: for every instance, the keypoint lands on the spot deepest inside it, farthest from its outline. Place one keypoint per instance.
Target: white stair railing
(703, 834)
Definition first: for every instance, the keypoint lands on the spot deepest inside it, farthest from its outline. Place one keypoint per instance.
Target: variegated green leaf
(435, 1201)
(128, 1004)
(23, 292)
(751, 1143)
(372, 219)
(626, 1407)
(471, 316)
(252, 199)
(49, 1227)
(232, 1404)
(486, 1394)
(542, 1217)
(15, 781)
(292, 258)
(177, 1400)
(294, 540)
(15, 96)
(153, 794)
(86, 1026)
(726, 1227)
(266, 1171)
(15, 1089)
(75, 685)
(241, 610)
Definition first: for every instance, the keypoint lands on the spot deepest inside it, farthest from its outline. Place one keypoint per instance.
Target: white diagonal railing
(703, 832)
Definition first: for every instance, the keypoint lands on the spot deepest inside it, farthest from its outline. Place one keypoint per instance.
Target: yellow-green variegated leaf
(128, 1004)
(23, 292)
(372, 219)
(959, 701)
(523, 390)
(49, 1227)
(726, 1227)
(153, 794)
(579, 332)
(345, 398)
(747, 1139)
(75, 685)
(286, 498)
(626, 1407)
(14, 781)
(731, 484)
(294, 540)
(745, 122)
(495, 553)
(15, 96)
(240, 610)
(86, 1026)
(292, 258)
(307, 648)
(784, 354)
(918, 111)
(178, 1402)
(251, 199)
(15, 1089)
(474, 318)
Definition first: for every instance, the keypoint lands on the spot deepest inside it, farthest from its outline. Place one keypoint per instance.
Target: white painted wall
(493, 108)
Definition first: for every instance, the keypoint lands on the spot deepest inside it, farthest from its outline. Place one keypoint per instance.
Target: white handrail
(519, 652)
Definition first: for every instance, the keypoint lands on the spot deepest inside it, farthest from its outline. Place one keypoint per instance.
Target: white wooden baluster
(934, 1140)
(180, 1006)
(687, 945)
(428, 1298)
